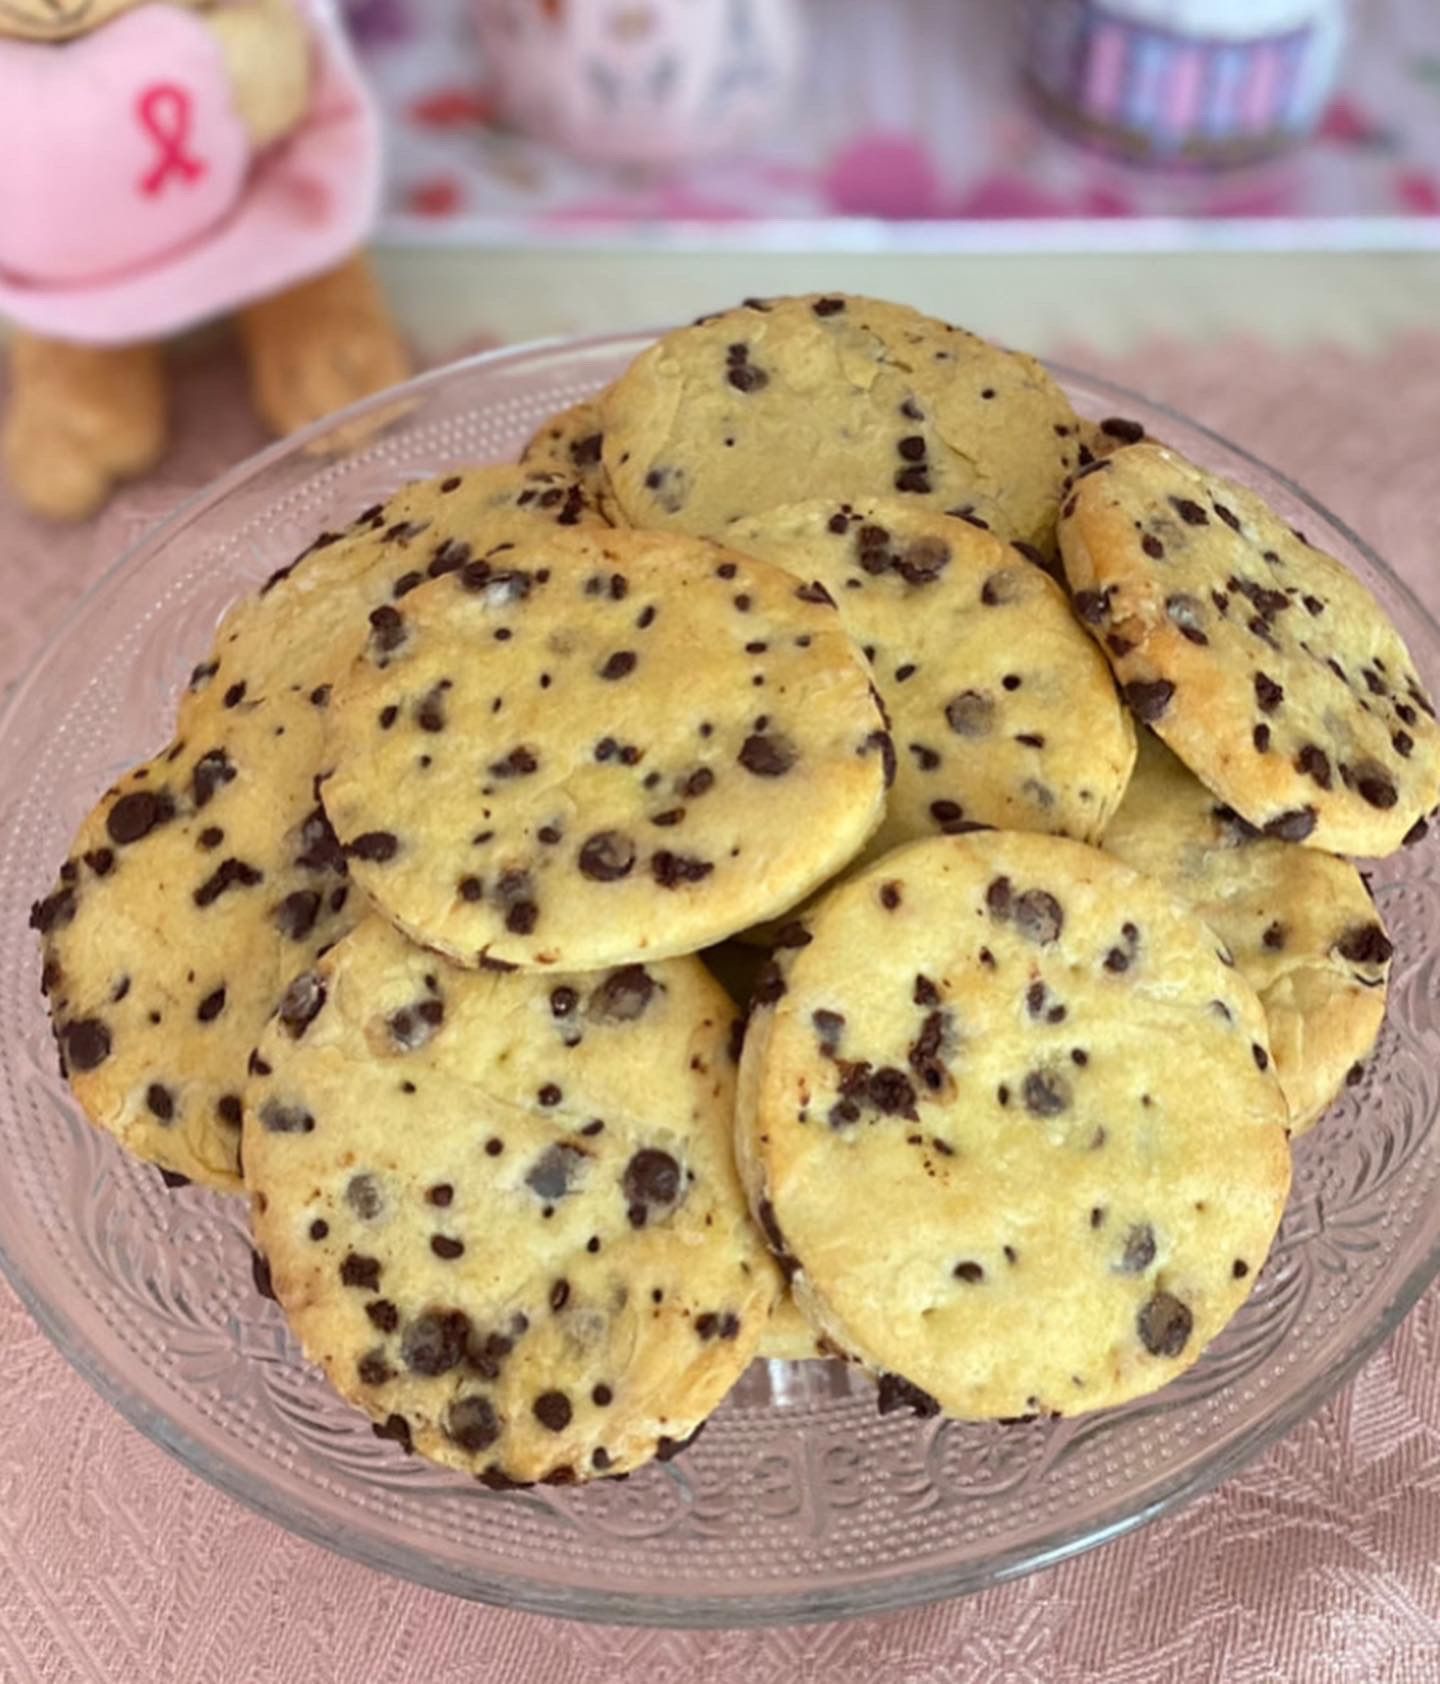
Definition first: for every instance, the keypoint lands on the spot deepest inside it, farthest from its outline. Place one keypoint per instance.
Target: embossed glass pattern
(799, 1502)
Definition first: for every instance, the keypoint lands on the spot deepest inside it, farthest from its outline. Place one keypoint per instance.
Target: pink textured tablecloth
(1320, 1562)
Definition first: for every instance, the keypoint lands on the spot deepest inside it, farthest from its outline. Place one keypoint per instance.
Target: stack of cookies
(1001, 762)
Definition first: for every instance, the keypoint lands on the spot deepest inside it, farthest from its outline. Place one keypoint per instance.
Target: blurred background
(769, 144)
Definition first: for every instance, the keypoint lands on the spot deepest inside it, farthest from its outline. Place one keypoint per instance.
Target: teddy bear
(166, 162)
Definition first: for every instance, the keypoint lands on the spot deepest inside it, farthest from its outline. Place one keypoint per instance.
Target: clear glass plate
(799, 1502)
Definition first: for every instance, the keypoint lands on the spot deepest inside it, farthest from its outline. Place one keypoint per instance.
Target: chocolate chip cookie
(603, 746)
(1300, 923)
(1003, 712)
(502, 1211)
(193, 893)
(837, 398)
(1030, 1154)
(1264, 664)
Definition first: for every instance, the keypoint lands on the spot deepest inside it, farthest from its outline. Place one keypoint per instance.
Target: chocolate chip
(471, 1423)
(363, 1195)
(229, 874)
(767, 756)
(301, 1004)
(1313, 761)
(829, 1027)
(619, 665)
(552, 1409)
(135, 815)
(924, 560)
(211, 1006)
(1093, 607)
(279, 1118)
(1003, 586)
(1188, 614)
(387, 629)
(296, 914)
(445, 1247)
(1149, 700)
(377, 846)
(1139, 1251)
(970, 714)
(1046, 1094)
(916, 479)
(1365, 944)
(671, 870)
(358, 1270)
(449, 556)
(1377, 788)
(828, 306)
(971, 1273)
(607, 856)
(1164, 1325)
(381, 1312)
(1260, 736)
(1189, 511)
(1117, 427)
(1038, 915)
(999, 897)
(555, 1172)
(160, 1102)
(85, 1042)
(891, 1093)
(210, 772)
(623, 996)
(746, 378)
(1292, 826)
(54, 912)
(651, 1182)
(435, 1342)
(229, 1110)
(1261, 1057)
(519, 763)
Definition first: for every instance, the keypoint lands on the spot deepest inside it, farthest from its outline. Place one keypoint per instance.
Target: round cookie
(193, 893)
(1301, 925)
(833, 397)
(1002, 710)
(605, 746)
(569, 444)
(197, 888)
(1030, 1155)
(1263, 663)
(502, 1211)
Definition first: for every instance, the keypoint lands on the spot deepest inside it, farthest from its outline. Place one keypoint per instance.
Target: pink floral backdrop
(909, 113)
